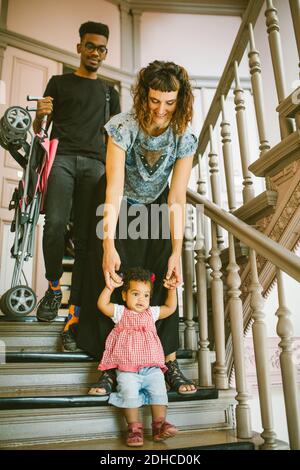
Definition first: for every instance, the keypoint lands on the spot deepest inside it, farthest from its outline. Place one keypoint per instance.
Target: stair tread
(31, 318)
(64, 401)
(44, 356)
(278, 157)
(260, 206)
(51, 391)
(183, 440)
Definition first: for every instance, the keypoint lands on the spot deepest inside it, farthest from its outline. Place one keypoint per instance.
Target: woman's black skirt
(150, 251)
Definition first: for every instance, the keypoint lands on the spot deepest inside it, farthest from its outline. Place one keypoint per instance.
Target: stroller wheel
(17, 119)
(14, 126)
(18, 301)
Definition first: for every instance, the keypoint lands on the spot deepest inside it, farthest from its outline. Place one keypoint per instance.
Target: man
(76, 103)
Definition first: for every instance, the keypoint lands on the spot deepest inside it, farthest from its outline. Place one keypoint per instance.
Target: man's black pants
(72, 183)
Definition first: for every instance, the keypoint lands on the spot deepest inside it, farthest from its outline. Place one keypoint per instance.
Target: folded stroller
(35, 154)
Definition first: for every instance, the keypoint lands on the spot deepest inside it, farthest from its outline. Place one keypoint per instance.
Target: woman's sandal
(135, 435)
(107, 381)
(175, 378)
(162, 430)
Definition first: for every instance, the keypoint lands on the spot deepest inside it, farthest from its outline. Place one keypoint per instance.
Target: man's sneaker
(48, 306)
(68, 339)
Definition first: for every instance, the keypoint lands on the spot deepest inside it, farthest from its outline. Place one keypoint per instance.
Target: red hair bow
(152, 278)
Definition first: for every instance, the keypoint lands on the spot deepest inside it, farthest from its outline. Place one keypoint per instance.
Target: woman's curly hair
(164, 76)
(137, 274)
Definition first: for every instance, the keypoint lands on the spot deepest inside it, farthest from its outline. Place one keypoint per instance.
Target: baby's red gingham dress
(133, 344)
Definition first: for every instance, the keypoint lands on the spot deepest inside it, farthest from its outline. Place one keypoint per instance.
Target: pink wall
(56, 22)
(201, 43)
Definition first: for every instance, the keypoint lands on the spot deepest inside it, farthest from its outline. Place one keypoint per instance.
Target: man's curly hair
(166, 77)
(136, 274)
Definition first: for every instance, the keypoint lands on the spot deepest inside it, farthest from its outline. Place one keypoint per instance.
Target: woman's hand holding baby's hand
(173, 273)
(170, 283)
(115, 285)
(111, 264)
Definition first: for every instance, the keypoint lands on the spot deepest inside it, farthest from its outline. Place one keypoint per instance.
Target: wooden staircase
(44, 401)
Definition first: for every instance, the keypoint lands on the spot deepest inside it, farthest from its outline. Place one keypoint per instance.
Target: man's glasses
(90, 47)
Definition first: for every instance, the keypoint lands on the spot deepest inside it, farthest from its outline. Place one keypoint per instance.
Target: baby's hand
(170, 283)
(115, 284)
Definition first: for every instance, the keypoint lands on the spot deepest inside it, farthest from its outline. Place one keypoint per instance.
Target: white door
(23, 74)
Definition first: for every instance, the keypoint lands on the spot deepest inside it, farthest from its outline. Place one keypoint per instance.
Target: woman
(144, 147)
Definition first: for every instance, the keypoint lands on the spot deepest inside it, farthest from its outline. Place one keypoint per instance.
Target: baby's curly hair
(137, 274)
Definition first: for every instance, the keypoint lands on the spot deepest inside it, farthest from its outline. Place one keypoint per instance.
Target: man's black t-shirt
(79, 114)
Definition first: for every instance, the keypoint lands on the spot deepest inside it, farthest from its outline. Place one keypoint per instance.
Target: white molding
(199, 7)
(127, 60)
(11, 38)
(69, 59)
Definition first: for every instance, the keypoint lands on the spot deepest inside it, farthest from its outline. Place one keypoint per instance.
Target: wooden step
(290, 107)
(222, 439)
(16, 357)
(54, 419)
(259, 207)
(281, 155)
(41, 371)
(67, 357)
(241, 254)
(42, 376)
(33, 335)
(37, 376)
(26, 402)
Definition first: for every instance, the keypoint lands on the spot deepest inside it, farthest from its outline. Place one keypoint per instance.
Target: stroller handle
(44, 121)
(34, 98)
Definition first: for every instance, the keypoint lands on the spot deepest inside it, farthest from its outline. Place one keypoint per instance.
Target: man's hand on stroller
(44, 108)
